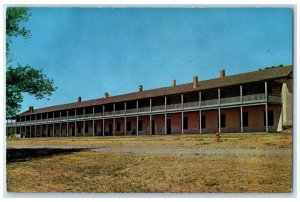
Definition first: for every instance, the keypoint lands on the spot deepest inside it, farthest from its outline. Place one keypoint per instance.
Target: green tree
(22, 78)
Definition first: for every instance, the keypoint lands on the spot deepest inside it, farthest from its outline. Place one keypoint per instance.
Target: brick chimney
(106, 95)
(195, 82)
(31, 108)
(140, 88)
(174, 82)
(222, 73)
(79, 99)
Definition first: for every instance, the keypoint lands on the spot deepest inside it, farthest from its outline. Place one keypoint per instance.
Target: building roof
(249, 77)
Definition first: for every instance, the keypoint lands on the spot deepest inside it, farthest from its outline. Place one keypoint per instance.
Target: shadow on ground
(21, 155)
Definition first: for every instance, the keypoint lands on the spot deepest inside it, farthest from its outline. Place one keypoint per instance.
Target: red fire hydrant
(218, 136)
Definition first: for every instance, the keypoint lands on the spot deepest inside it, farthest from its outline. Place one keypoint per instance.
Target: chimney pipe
(222, 73)
(79, 99)
(195, 82)
(140, 88)
(106, 95)
(174, 82)
(31, 108)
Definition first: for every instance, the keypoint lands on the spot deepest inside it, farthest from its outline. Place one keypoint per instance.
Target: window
(203, 97)
(245, 91)
(203, 121)
(79, 128)
(118, 126)
(128, 125)
(270, 118)
(54, 131)
(95, 128)
(185, 122)
(169, 101)
(270, 89)
(184, 99)
(245, 119)
(222, 94)
(86, 129)
(223, 120)
(140, 125)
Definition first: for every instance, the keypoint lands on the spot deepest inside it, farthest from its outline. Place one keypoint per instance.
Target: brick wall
(232, 120)
(193, 122)
(175, 123)
(211, 121)
(159, 124)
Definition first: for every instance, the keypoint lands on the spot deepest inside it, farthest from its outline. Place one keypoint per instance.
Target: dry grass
(88, 171)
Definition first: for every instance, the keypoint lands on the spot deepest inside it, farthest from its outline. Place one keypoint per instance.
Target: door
(73, 130)
(169, 126)
(153, 127)
(110, 129)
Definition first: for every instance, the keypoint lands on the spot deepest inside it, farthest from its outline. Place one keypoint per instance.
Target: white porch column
(125, 126)
(34, 126)
(182, 114)
(53, 125)
(219, 110)
(165, 123)
(30, 127)
(25, 126)
(200, 121)
(266, 106)
(67, 123)
(266, 110)
(181, 122)
(103, 121)
(125, 120)
(47, 127)
(241, 94)
(165, 115)
(219, 116)
(60, 131)
(150, 118)
(137, 117)
(242, 128)
(181, 101)
(93, 121)
(200, 98)
(75, 123)
(114, 120)
(219, 96)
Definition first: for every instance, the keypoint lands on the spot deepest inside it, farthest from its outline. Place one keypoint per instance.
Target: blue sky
(88, 51)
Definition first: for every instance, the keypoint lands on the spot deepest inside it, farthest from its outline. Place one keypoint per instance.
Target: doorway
(153, 127)
(73, 130)
(169, 126)
(110, 129)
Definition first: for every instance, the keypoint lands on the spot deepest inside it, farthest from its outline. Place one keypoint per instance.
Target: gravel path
(196, 151)
(172, 151)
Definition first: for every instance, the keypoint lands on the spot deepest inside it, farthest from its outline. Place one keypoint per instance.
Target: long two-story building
(249, 102)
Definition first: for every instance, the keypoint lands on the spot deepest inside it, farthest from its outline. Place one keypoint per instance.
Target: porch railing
(191, 104)
(209, 102)
(253, 97)
(274, 98)
(144, 109)
(174, 106)
(158, 108)
(229, 100)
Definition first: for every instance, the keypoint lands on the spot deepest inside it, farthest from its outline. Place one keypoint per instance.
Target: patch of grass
(212, 182)
(87, 171)
(269, 141)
